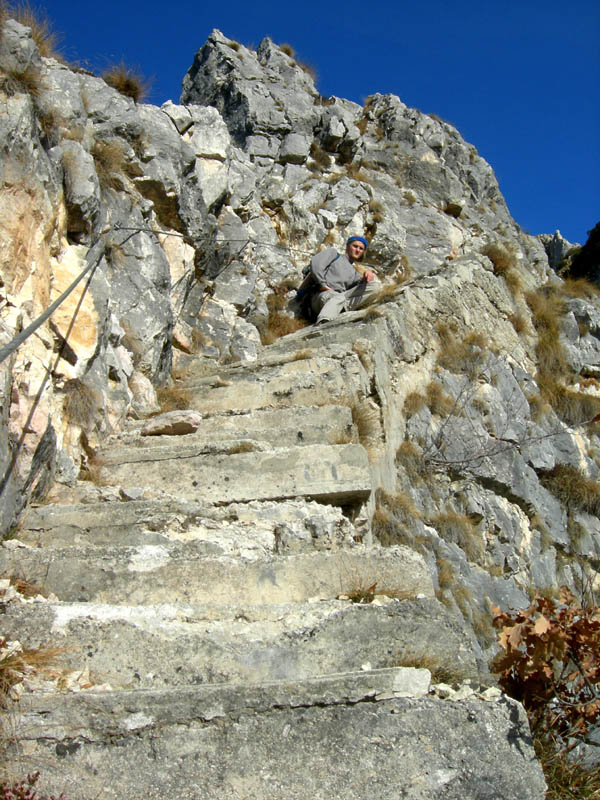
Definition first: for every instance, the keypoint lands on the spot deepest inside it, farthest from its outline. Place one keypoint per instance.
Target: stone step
(156, 646)
(280, 740)
(240, 529)
(337, 474)
(308, 382)
(188, 572)
(283, 427)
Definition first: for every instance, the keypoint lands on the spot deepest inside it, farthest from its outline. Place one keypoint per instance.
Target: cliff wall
(447, 431)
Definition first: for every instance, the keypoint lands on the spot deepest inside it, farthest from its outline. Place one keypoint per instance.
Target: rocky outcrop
(413, 454)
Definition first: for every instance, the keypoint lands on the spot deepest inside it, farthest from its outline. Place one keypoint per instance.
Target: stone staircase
(207, 590)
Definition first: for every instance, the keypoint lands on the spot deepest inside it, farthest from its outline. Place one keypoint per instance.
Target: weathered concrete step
(187, 573)
(283, 427)
(309, 343)
(156, 646)
(241, 529)
(309, 382)
(355, 736)
(333, 473)
(336, 336)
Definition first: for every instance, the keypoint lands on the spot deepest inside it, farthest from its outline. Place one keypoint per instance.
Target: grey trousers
(329, 305)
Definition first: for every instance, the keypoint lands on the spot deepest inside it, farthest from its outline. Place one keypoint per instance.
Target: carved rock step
(240, 529)
(334, 473)
(283, 427)
(188, 573)
(157, 646)
(308, 382)
(281, 740)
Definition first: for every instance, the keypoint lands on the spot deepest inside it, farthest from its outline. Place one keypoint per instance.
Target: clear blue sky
(518, 78)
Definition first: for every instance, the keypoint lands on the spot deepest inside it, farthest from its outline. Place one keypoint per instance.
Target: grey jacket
(338, 274)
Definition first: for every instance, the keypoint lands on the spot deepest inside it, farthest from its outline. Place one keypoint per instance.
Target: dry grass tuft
(502, 257)
(174, 398)
(35, 18)
(580, 287)
(438, 401)
(566, 777)
(466, 355)
(127, 82)
(320, 156)
(377, 210)
(287, 49)
(110, 160)
(459, 529)
(441, 672)
(518, 322)
(573, 488)
(413, 403)
(365, 415)
(446, 574)
(355, 172)
(81, 403)
(393, 518)
(410, 457)
(364, 592)
(505, 263)
(574, 408)
(16, 664)
(278, 325)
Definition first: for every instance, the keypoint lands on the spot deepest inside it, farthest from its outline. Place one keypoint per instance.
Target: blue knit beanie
(357, 239)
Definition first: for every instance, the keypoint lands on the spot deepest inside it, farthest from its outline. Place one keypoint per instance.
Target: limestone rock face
(310, 513)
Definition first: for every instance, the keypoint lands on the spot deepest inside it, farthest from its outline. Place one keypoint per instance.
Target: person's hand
(368, 275)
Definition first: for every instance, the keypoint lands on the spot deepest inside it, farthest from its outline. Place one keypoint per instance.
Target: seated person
(341, 284)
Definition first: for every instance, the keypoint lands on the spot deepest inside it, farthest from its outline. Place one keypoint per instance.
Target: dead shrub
(127, 81)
